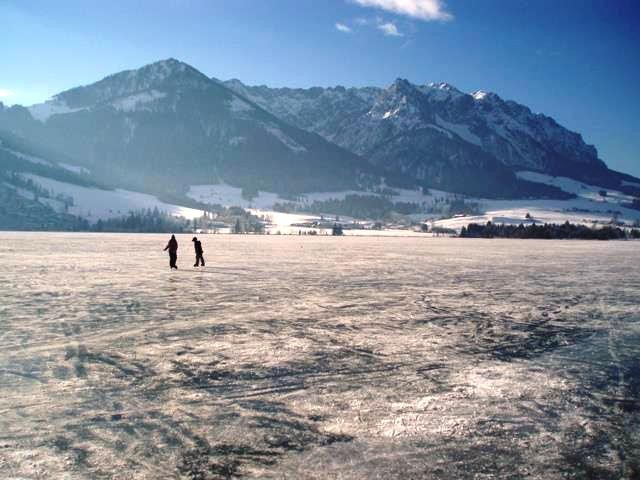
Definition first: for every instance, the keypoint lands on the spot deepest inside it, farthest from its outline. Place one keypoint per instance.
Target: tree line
(156, 221)
(548, 231)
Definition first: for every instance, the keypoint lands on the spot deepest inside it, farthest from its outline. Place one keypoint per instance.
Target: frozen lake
(318, 357)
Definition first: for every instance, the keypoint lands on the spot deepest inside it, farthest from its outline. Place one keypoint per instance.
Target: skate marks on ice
(354, 358)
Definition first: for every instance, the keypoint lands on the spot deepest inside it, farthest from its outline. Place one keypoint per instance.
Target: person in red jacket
(172, 246)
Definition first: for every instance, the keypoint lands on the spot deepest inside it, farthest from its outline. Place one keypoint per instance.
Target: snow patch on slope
(95, 204)
(479, 95)
(55, 106)
(513, 212)
(130, 130)
(137, 101)
(441, 91)
(29, 158)
(238, 105)
(441, 130)
(581, 189)
(588, 208)
(228, 196)
(286, 140)
(398, 110)
(41, 161)
(28, 194)
(461, 130)
(75, 168)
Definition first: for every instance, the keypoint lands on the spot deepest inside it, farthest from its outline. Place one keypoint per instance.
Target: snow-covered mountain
(435, 130)
(166, 125)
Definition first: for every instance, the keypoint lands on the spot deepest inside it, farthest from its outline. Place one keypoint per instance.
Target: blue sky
(575, 60)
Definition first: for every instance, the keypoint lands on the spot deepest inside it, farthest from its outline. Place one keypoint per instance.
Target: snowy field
(289, 224)
(587, 208)
(94, 204)
(318, 357)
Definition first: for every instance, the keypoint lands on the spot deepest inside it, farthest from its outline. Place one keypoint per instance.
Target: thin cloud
(389, 29)
(341, 27)
(5, 93)
(427, 10)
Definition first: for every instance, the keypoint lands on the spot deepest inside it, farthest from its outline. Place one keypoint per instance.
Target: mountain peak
(441, 91)
(483, 96)
(232, 83)
(401, 84)
(443, 86)
(169, 62)
(168, 73)
(161, 70)
(165, 67)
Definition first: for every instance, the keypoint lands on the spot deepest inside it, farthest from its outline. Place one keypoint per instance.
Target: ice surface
(308, 357)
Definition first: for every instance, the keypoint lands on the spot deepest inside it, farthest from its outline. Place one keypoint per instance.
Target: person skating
(172, 246)
(198, 247)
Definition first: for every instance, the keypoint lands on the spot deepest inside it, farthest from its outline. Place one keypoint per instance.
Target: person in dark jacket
(198, 246)
(172, 246)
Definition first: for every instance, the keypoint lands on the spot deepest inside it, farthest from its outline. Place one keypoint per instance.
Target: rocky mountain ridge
(166, 126)
(370, 120)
